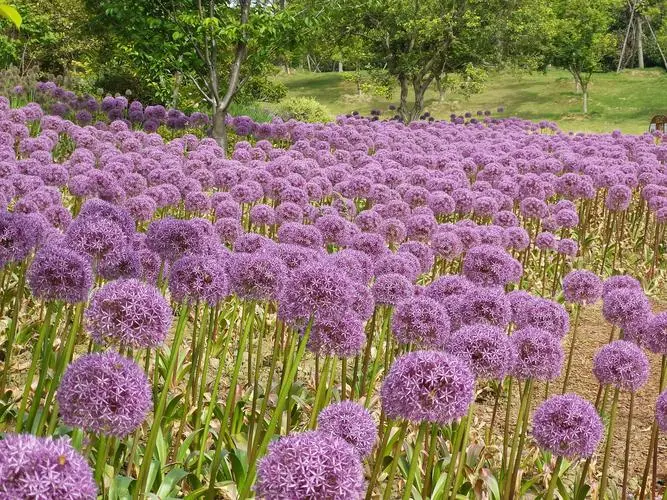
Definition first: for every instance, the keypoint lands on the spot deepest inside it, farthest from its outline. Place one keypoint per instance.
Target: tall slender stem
(416, 455)
(573, 342)
(554, 479)
(607, 449)
(627, 447)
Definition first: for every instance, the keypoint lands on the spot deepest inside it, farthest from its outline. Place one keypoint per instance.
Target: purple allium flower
(660, 411)
(310, 465)
(566, 218)
(516, 238)
(95, 237)
(546, 315)
(128, 313)
(429, 386)
(300, 234)
(422, 321)
(17, 237)
(96, 209)
(533, 208)
(505, 219)
(614, 283)
(262, 215)
(621, 364)
(361, 300)
(421, 251)
(351, 422)
(58, 273)
(392, 230)
(141, 208)
(122, 263)
(314, 288)
(539, 354)
(446, 244)
(546, 241)
(104, 393)
(624, 305)
(568, 247)
(582, 287)
(656, 333)
(402, 263)
(356, 264)
(333, 228)
(489, 265)
(618, 198)
(198, 278)
(252, 243)
(173, 238)
(487, 305)
(336, 333)
(196, 201)
(567, 426)
(486, 348)
(369, 243)
(228, 229)
(43, 467)
(256, 276)
(390, 289)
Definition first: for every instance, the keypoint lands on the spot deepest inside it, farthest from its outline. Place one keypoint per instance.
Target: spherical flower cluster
(614, 283)
(174, 238)
(310, 465)
(352, 422)
(655, 329)
(567, 426)
(546, 315)
(624, 306)
(621, 364)
(487, 305)
(128, 313)
(391, 289)
(489, 265)
(486, 348)
(428, 386)
(104, 393)
(257, 276)
(338, 334)
(420, 321)
(539, 355)
(43, 467)
(582, 287)
(58, 273)
(198, 278)
(661, 411)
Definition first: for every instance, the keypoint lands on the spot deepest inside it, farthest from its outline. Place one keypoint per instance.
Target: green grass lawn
(625, 101)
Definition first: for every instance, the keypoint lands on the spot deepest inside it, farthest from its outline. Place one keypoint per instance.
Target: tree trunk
(308, 62)
(640, 44)
(220, 128)
(577, 86)
(441, 91)
(585, 92)
(175, 91)
(340, 66)
(419, 101)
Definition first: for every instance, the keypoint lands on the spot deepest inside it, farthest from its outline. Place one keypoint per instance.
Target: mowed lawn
(624, 101)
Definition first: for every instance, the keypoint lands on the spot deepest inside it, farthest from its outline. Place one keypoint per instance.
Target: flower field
(359, 309)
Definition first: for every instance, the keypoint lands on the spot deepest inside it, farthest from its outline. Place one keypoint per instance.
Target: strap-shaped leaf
(11, 13)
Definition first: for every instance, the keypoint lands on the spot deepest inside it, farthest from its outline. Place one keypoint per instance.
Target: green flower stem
(64, 357)
(247, 320)
(11, 336)
(159, 411)
(554, 479)
(416, 455)
(209, 340)
(573, 342)
(462, 455)
(506, 427)
(36, 355)
(627, 447)
(321, 389)
(255, 380)
(396, 457)
(343, 378)
(101, 459)
(607, 448)
(214, 401)
(285, 389)
(370, 337)
(385, 431)
(430, 459)
(517, 441)
(457, 438)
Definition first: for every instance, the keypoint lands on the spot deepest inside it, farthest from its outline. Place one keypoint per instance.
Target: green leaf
(120, 488)
(12, 14)
(170, 481)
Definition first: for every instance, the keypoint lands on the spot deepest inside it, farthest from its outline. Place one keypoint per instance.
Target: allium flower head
(582, 287)
(173, 238)
(621, 364)
(567, 426)
(489, 265)
(546, 241)
(486, 305)
(300, 234)
(624, 306)
(428, 386)
(256, 276)
(402, 263)
(44, 468)
(314, 288)
(310, 466)
(17, 237)
(104, 393)
(95, 237)
(546, 315)
(197, 277)
(337, 333)
(100, 209)
(446, 244)
(656, 333)
(351, 422)
(568, 247)
(661, 411)
(539, 354)
(486, 348)
(128, 313)
(421, 321)
(357, 265)
(390, 289)
(420, 250)
(58, 273)
(614, 283)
